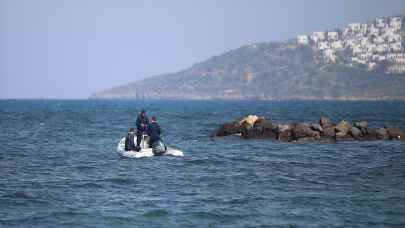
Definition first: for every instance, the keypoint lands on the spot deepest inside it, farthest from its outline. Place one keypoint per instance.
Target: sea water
(59, 167)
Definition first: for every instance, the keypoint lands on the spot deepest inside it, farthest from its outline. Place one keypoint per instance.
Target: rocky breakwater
(254, 127)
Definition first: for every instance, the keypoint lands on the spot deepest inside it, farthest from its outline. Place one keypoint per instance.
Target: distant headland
(362, 61)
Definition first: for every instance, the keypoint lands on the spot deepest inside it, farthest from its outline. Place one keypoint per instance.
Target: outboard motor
(158, 148)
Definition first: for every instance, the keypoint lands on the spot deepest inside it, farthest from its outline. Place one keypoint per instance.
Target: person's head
(131, 131)
(143, 112)
(153, 119)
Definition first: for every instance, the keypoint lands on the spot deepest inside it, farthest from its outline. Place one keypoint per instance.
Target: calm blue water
(58, 168)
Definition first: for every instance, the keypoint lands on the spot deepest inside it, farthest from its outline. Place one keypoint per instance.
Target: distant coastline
(363, 61)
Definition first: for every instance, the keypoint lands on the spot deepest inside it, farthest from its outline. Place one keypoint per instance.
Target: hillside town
(377, 44)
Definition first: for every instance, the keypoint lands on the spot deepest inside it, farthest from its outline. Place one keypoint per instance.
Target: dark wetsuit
(153, 131)
(140, 129)
(129, 143)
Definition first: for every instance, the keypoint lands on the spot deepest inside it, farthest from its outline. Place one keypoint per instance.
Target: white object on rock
(250, 119)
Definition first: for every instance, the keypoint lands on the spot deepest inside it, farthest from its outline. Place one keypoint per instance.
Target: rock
(269, 130)
(316, 127)
(267, 126)
(302, 130)
(323, 121)
(283, 132)
(260, 123)
(394, 133)
(261, 129)
(329, 132)
(343, 137)
(269, 133)
(252, 133)
(282, 127)
(284, 136)
(343, 128)
(326, 131)
(381, 133)
(362, 125)
(355, 133)
(228, 129)
(248, 121)
(371, 135)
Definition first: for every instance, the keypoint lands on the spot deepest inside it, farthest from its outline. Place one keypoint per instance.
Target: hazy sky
(72, 48)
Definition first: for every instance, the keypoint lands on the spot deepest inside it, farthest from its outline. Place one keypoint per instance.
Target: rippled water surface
(58, 168)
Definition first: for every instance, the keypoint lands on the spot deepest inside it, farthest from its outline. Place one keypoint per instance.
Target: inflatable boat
(146, 150)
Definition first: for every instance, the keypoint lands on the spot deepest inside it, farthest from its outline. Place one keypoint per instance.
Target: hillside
(265, 71)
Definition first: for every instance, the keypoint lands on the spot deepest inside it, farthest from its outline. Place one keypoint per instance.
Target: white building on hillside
(333, 36)
(396, 23)
(355, 27)
(323, 45)
(351, 42)
(392, 56)
(397, 46)
(394, 38)
(374, 31)
(337, 45)
(378, 40)
(318, 36)
(303, 39)
(381, 22)
(382, 48)
(388, 31)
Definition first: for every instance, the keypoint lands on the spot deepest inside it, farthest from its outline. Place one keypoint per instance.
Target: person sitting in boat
(153, 131)
(129, 140)
(142, 123)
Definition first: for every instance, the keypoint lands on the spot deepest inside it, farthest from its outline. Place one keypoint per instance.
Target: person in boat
(142, 123)
(153, 131)
(155, 140)
(129, 140)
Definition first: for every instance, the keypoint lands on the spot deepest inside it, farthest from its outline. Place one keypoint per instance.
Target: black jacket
(141, 120)
(154, 132)
(129, 143)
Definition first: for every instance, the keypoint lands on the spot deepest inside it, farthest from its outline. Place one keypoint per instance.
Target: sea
(59, 167)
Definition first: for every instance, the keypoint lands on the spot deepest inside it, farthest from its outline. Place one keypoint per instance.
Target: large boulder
(302, 130)
(283, 132)
(355, 133)
(343, 128)
(323, 121)
(362, 125)
(248, 122)
(329, 132)
(316, 127)
(371, 135)
(260, 129)
(394, 133)
(269, 130)
(284, 136)
(252, 133)
(382, 134)
(260, 124)
(228, 129)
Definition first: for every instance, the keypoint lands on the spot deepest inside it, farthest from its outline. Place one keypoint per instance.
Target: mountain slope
(265, 71)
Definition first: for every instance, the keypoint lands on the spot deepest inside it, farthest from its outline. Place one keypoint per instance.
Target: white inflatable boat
(145, 151)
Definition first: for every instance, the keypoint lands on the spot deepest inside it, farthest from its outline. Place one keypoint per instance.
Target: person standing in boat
(153, 131)
(142, 123)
